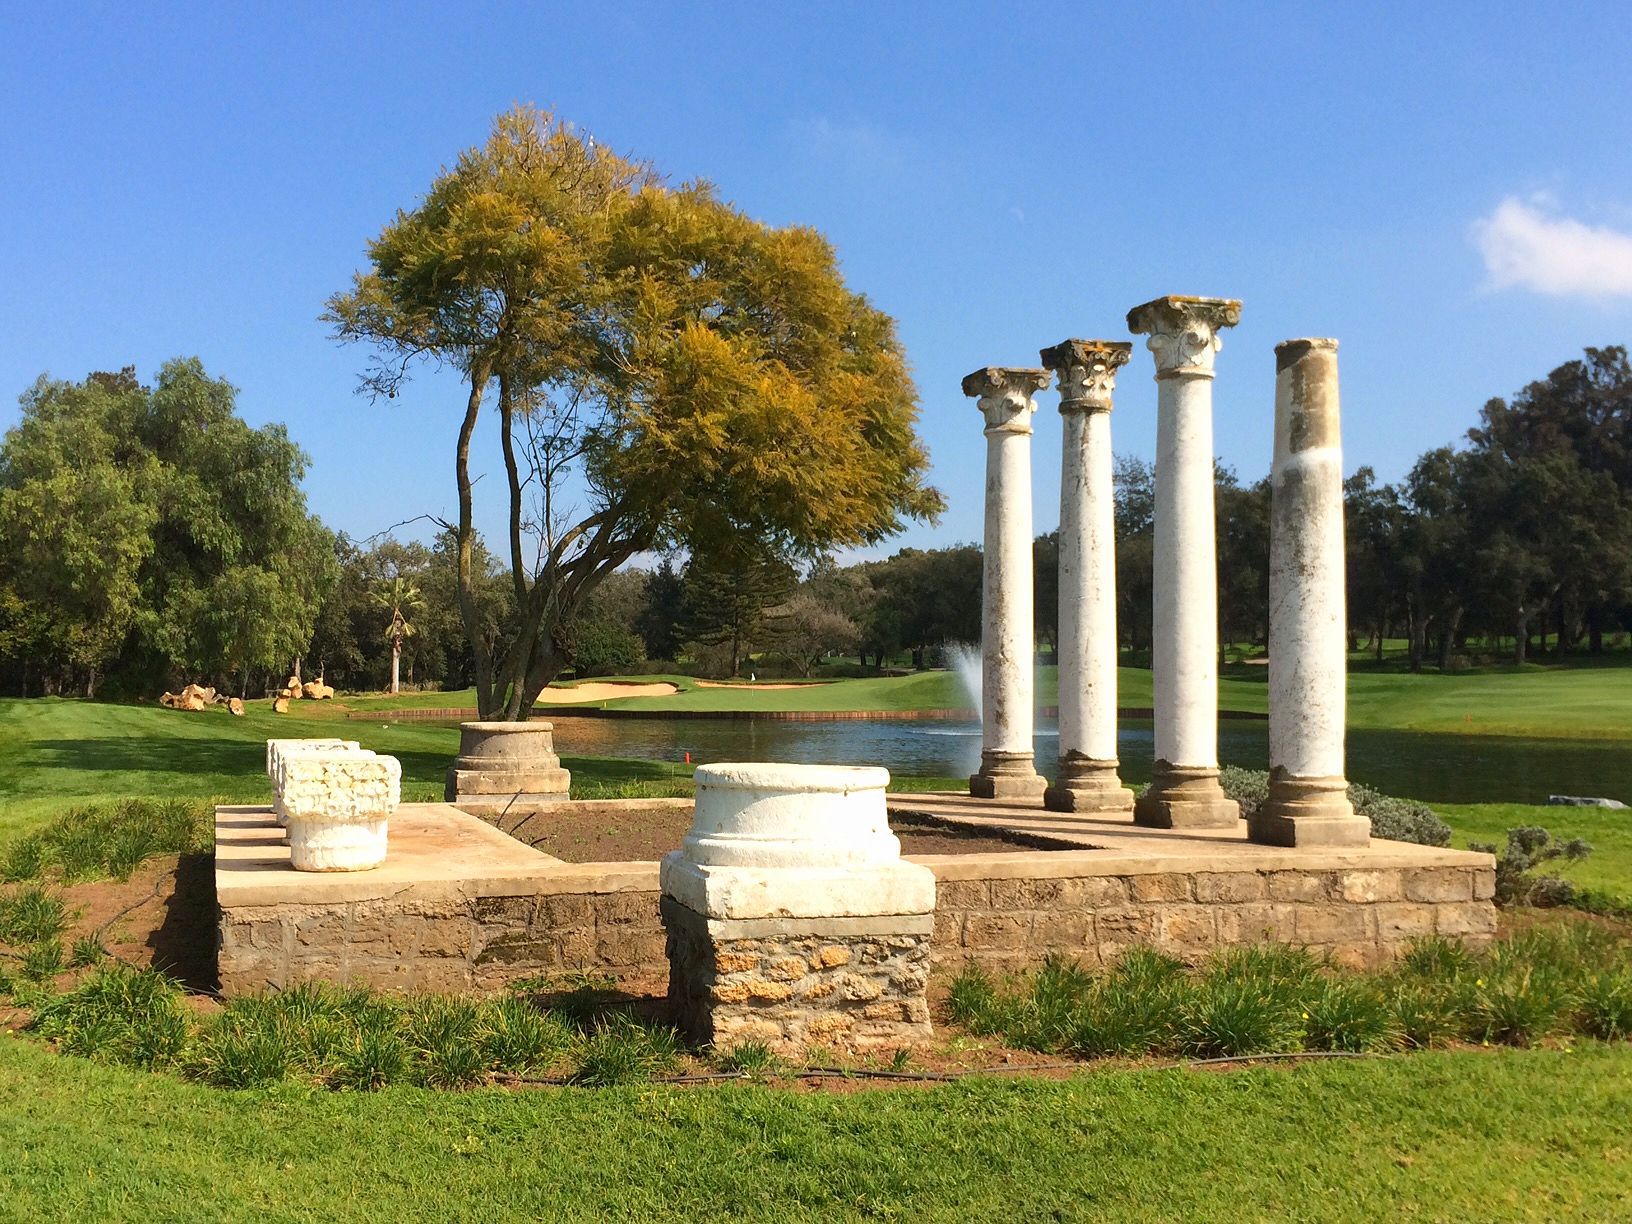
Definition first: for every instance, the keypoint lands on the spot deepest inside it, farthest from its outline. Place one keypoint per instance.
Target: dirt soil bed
(597, 837)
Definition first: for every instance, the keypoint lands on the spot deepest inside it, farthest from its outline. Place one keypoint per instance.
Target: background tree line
(149, 536)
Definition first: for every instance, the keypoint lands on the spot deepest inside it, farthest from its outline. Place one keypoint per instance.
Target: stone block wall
(1362, 917)
(440, 944)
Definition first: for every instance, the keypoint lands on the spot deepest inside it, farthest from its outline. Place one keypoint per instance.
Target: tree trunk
(1595, 632)
(396, 662)
(1521, 638)
(1417, 627)
(465, 536)
(1447, 639)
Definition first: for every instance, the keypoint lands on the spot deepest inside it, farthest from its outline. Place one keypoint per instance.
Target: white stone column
(1308, 802)
(1088, 780)
(1184, 791)
(1008, 697)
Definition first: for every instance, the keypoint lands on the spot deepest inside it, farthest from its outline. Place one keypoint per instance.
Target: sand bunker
(733, 685)
(604, 691)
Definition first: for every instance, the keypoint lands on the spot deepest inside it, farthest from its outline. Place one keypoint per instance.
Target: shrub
(602, 648)
(246, 1048)
(1606, 1006)
(751, 1058)
(1423, 1016)
(1047, 1015)
(1434, 956)
(1223, 1017)
(375, 1053)
(30, 915)
(1350, 1017)
(1399, 819)
(973, 1001)
(119, 1014)
(1142, 966)
(1391, 818)
(441, 1033)
(43, 960)
(1271, 964)
(1127, 1016)
(1527, 848)
(621, 1051)
(517, 1038)
(1516, 1007)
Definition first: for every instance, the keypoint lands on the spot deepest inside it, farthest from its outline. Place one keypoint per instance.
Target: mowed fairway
(1476, 1135)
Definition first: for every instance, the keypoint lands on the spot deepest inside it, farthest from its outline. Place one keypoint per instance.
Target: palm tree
(401, 597)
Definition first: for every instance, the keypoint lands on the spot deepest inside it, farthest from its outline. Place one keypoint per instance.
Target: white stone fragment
(337, 804)
(280, 750)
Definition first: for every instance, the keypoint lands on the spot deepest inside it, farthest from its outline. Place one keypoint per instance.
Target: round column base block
(471, 783)
(1100, 801)
(1312, 812)
(1185, 797)
(1089, 787)
(1007, 775)
(1007, 786)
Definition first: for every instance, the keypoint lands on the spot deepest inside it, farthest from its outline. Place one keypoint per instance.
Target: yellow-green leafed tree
(666, 371)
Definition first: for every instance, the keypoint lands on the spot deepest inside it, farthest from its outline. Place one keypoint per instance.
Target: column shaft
(1308, 648)
(1008, 699)
(1184, 630)
(1008, 696)
(1088, 781)
(1184, 790)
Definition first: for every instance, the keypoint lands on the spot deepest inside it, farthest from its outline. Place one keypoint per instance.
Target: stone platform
(459, 905)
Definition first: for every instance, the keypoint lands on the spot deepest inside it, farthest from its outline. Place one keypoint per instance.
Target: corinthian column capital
(1087, 372)
(1004, 395)
(1183, 332)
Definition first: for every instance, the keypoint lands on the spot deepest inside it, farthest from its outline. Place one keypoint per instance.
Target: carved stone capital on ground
(1087, 372)
(1184, 331)
(1004, 395)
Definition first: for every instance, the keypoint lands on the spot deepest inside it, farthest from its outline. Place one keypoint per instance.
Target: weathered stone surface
(1007, 769)
(1438, 884)
(795, 991)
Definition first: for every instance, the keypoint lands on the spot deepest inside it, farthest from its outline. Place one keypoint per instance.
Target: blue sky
(1449, 194)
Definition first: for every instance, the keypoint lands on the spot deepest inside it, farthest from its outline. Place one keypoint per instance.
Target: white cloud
(859, 148)
(1527, 244)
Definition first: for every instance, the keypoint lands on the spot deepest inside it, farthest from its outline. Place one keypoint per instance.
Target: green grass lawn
(59, 753)
(1497, 1135)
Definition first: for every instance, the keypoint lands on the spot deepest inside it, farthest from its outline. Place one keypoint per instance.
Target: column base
(1308, 812)
(534, 785)
(1185, 797)
(1007, 775)
(1088, 787)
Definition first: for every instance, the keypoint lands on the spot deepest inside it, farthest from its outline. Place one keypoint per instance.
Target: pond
(1432, 767)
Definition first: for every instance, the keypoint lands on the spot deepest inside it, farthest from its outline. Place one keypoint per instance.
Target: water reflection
(1442, 768)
